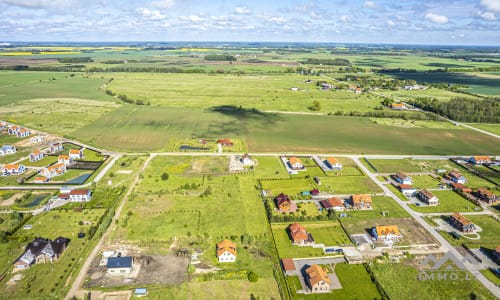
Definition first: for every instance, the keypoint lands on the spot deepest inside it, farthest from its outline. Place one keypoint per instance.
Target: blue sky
(463, 22)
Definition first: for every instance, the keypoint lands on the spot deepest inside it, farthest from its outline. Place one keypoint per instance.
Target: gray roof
(119, 262)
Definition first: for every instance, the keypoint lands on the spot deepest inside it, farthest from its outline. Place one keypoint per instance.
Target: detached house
(428, 197)
(462, 223)
(333, 163)
(295, 163)
(402, 178)
(23, 132)
(299, 235)
(7, 149)
(53, 171)
(226, 251)
(56, 147)
(284, 203)
(407, 189)
(76, 154)
(36, 155)
(65, 159)
(79, 195)
(317, 279)
(13, 130)
(479, 160)
(41, 251)
(457, 177)
(247, 160)
(333, 204)
(12, 169)
(362, 201)
(225, 142)
(486, 195)
(387, 234)
(119, 265)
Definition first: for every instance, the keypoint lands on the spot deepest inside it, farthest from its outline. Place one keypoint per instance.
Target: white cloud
(40, 3)
(163, 4)
(242, 10)
(344, 18)
(369, 4)
(491, 5)
(192, 18)
(278, 20)
(487, 15)
(391, 23)
(151, 14)
(435, 18)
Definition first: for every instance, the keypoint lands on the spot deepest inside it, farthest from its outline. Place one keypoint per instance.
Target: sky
(461, 22)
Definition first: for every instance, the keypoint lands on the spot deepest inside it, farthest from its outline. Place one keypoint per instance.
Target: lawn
(47, 160)
(269, 167)
(380, 204)
(91, 155)
(449, 201)
(328, 233)
(489, 236)
(394, 165)
(288, 186)
(491, 276)
(425, 182)
(310, 171)
(287, 250)
(493, 128)
(349, 185)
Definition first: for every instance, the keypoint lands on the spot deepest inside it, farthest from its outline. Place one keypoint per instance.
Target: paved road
(74, 291)
(445, 246)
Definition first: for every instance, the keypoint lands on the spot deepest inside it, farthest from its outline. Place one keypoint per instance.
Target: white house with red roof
(77, 196)
(36, 155)
(76, 154)
(23, 132)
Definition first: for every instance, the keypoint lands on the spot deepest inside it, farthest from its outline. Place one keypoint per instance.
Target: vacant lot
(349, 185)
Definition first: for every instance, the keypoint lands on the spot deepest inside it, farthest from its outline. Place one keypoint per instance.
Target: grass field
(493, 128)
(45, 161)
(394, 165)
(449, 201)
(425, 181)
(288, 186)
(270, 168)
(439, 94)
(349, 185)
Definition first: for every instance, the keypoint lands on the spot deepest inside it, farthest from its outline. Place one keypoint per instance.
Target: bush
(253, 277)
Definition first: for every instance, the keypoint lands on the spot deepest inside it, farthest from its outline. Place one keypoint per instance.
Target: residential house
(3, 125)
(402, 178)
(462, 223)
(295, 163)
(284, 203)
(317, 279)
(361, 201)
(225, 142)
(7, 149)
(457, 177)
(76, 154)
(398, 106)
(386, 233)
(226, 251)
(355, 89)
(80, 195)
(325, 86)
(64, 159)
(288, 266)
(407, 189)
(41, 250)
(36, 155)
(486, 195)
(428, 197)
(333, 163)
(299, 235)
(13, 130)
(56, 147)
(247, 160)
(53, 170)
(119, 265)
(333, 204)
(40, 179)
(37, 139)
(479, 160)
(12, 169)
(23, 132)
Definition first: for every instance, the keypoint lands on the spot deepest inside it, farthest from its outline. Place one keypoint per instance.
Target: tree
(3, 236)
(164, 176)
(315, 106)
(253, 277)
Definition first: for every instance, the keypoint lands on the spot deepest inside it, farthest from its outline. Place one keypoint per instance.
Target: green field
(425, 182)
(349, 185)
(449, 201)
(493, 128)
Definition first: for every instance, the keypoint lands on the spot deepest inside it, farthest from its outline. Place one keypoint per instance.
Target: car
(417, 204)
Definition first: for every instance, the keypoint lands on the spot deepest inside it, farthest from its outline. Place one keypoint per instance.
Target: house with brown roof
(299, 235)
(225, 142)
(333, 163)
(76, 154)
(407, 189)
(288, 266)
(295, 163)
(12, 169)
(461, 187)
(13, 130)
(333, 203)
(403, 178)
(23, 132)
(386, 233)
(40, 251)
(226, 251)
(284, 203)
(486, 195)
(479, 160)
(361, 201)
(56, 147)
(317, 279)
(53, 170)
(36, 155)
(64, 159)
(428, 197)
(457, 177)
(462, 223)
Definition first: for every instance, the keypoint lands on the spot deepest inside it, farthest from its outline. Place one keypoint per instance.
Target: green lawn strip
(425, 182)
(270, 167)
(349, 185)
(46, 161)
(394, 165)
(449, 201)
(491, 276)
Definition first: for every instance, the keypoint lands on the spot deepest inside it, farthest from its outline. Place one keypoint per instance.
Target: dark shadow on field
(246, 114)
(444, 65)
(444, 77)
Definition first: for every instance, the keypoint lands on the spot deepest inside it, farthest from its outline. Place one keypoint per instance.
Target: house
(407, 189)
(387, 234)
(398, 106)
(13, 130)
(314, 192)
(461, 187)
(56, 147)
(496, 254)
(12, 169)
(76, 154)
(247, 160)
(326, 86)
(317, 279)
(53, 171)
(36, 155)
(64, 159)
(23, 132)
(402, 178)
(37, 139)
(355, 89)
(225, 142)
(40, 179)
(299, 235)
(427, 197)
(333, 204)
(7, 149)
(284, 203)
(486, 195)
(288, 266)
(295, 163)
(333, 163)
(119, 265)
(226, 251)
(457, 177)
(41, 250)
(361, 201)
(80, 195)
(479, 160)
(462, 223)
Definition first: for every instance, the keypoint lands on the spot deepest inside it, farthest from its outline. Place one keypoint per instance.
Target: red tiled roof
(288, 264)
(79, 192)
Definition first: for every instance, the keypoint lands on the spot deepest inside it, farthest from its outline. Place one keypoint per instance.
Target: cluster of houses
(358, 201)
(41, 251)
(18, 131)
(405, 186)
(59, 168)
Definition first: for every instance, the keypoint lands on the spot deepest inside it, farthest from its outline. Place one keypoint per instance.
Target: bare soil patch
(13, 61)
